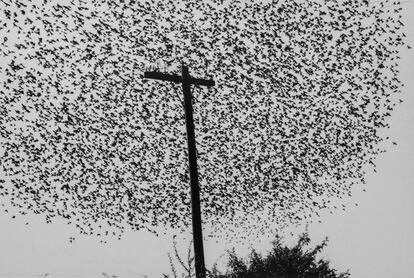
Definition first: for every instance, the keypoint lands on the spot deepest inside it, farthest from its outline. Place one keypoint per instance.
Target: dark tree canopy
(282, 262)
(304, 89)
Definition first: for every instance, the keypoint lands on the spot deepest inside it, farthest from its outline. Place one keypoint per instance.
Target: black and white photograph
(206, 139)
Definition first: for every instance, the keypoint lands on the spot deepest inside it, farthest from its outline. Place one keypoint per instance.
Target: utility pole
(187, 81)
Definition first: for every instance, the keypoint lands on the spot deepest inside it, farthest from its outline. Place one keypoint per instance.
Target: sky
(373, 239)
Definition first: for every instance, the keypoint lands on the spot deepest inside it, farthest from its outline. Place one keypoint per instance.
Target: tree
(283, 262)
(303, 89)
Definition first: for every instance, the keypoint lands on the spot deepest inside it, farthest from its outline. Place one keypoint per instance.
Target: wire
(178, 96)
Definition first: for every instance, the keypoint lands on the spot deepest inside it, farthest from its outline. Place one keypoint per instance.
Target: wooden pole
(195, 188)
(187, 80)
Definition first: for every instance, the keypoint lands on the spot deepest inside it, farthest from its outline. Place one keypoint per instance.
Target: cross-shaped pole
(187, 80)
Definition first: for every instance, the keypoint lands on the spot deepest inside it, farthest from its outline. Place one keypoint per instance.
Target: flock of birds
(302, 90)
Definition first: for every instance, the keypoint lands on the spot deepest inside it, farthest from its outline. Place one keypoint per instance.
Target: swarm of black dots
(304, 90)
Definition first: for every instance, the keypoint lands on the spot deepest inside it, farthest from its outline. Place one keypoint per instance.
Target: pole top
(178, 79)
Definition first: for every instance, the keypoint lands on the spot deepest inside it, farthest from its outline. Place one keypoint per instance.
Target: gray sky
(373, 239)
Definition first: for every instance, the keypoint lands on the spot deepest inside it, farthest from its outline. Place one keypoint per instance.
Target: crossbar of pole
(202, 82)
(177, 79)
(187, 81)
(162, 76)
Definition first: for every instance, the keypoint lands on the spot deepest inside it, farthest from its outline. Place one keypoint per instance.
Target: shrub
(282, 262)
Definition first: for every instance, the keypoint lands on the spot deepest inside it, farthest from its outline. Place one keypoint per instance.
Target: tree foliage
(303, 89)
(282, 262)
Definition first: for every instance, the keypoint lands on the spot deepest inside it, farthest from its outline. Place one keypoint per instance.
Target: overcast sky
(373, 239)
